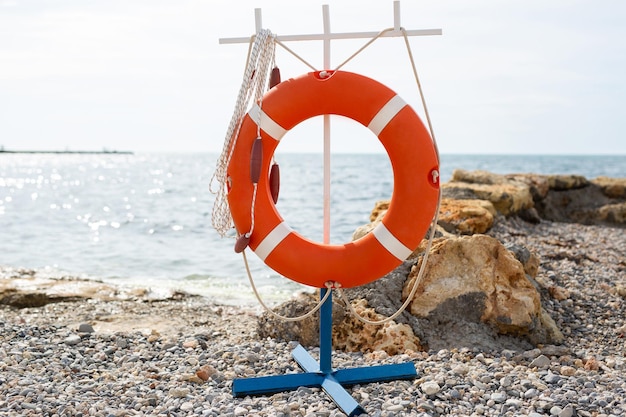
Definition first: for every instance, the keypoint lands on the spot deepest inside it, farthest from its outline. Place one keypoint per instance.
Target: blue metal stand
(322, 374)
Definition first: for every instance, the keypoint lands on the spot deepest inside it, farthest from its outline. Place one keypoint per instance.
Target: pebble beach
(136, 356)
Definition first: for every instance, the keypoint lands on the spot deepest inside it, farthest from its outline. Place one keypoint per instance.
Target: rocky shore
(80, 348)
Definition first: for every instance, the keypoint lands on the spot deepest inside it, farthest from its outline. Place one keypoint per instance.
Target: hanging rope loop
(435, 175)
(261, 54)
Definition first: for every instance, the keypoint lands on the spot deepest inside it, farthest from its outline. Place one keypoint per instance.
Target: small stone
(531, 393)
(205, 372)
(191, 343)
(552, 350)
(179, 392)
(186, 406)
(555, 411)
(430, 388)
(531, 354)
(506, 381)
(460, 369)
(541, 361)
(568, 411)
(591, 364)
(567, 370)
(121, 342)
(85, 328)
(455, 394)
(192, 378)
(72, 340)
(513, 402)
(552, 378)
(241, 411)
(498, 397)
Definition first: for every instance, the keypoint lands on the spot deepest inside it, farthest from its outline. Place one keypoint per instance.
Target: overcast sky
(532, 76)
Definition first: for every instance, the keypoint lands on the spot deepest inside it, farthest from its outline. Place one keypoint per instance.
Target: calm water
(146, 219)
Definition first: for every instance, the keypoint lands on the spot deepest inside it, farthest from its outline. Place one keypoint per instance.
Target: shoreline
(129, 354)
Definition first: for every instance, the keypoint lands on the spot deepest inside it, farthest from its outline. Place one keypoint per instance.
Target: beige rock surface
(480, 265)
(466, 216)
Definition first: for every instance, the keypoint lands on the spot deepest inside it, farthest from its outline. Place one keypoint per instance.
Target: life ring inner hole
(361, 175)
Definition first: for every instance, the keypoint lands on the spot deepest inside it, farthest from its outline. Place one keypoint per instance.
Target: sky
(506, 77)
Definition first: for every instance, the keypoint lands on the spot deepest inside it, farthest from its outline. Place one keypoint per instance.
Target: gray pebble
(541, 361)
(85, 328)
(72, 340)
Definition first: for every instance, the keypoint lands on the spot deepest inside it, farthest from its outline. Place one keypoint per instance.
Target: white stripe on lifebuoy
(272, 240)
(389, 242)
(385, 114)
(272, 128)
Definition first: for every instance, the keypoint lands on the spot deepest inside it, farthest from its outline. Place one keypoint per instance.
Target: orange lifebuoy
(414, 163)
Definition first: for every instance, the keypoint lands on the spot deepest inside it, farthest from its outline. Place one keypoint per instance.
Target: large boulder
(476, 275)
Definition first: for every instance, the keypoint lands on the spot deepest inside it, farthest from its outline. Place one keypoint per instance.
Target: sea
(146, 219)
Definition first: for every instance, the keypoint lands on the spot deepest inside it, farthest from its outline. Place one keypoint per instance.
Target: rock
(498, 397)
(552, 350)
(85, 328)
(349, 333)
(179, 392)
(352, 335)
(205, 372)
(532, 197)
(611, 187)
(529, 260)
(29, 299)
(611, 214)
(380, 208)
(574, 199)
(473, 199)
(507, 196)
(568, 411)
(430, 388)
(466, 216)
(566, 182)
(306, 331)
(72, 340)
(478, 272)
(541, 361)
(26, 289)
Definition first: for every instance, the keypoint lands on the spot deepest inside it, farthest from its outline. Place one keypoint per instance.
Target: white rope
(255, 83)
(418, 280)
(435, 217)
(329, 285)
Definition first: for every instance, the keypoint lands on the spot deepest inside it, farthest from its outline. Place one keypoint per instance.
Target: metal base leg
(322, 375)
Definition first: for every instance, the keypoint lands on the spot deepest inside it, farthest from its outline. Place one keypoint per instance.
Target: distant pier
(105, 152)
